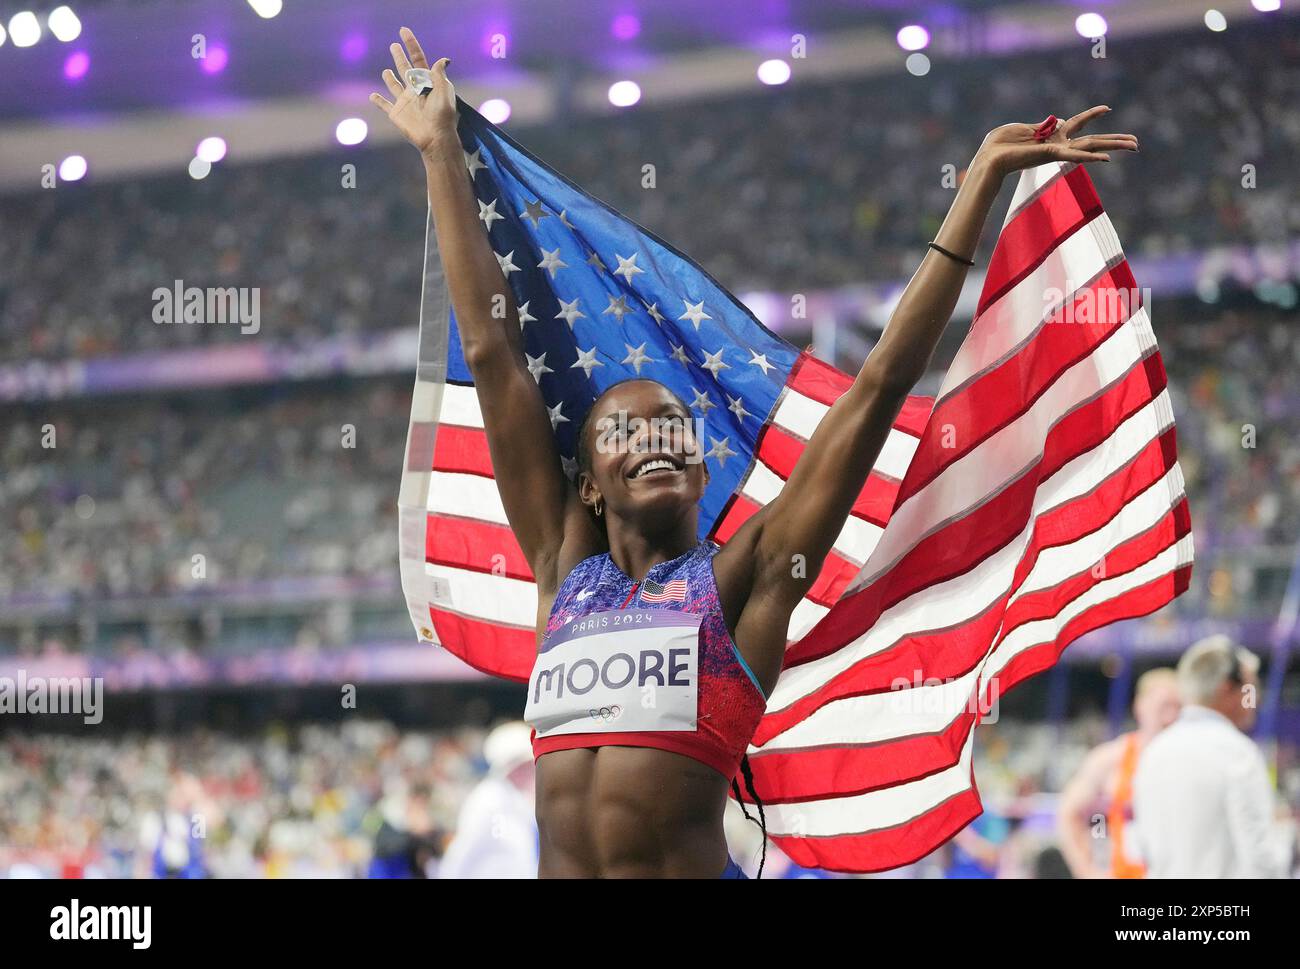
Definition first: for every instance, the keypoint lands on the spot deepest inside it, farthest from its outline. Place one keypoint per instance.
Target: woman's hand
(1013, 146)
(427, 121)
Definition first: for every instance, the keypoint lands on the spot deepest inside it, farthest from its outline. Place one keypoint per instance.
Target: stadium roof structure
(129, 95)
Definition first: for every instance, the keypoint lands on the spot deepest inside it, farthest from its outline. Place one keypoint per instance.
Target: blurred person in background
(1103, 787)
(406, 841)
(496, 834)
(172, 837)
(1202, 796)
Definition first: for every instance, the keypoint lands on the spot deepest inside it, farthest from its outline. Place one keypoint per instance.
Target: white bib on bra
(626, 670)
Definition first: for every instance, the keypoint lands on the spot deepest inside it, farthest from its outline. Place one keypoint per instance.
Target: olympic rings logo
(606, 714)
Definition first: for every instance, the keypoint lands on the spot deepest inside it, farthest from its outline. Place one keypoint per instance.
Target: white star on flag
(695, 313)
(552, 262)
(586, 360)
(702, 401)
(760, 360)
(507, 263)
(618, 306)
(636, 356)
(474, 163)
(556, 417)
(627, 268)
(713, 362)
(488, 213)
(569, 311)
(537, 366)
(720, 450)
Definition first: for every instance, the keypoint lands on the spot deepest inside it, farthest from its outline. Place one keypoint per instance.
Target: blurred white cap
(507, 746)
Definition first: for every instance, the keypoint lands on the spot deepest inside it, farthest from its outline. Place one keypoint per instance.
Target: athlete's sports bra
(643, 664)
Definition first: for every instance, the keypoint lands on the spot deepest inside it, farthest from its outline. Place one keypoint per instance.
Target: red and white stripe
(1043, 500)
(1037, 498)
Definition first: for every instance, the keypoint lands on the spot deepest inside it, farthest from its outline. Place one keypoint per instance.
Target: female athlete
(692, 634)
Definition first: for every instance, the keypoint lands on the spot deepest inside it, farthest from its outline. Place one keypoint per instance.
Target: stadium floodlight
(266, 9)
(211, 149)
(1215, 20)
(1266, 6)
(215, 60)
(1090, 25)
(199, 169)
(625, 26)
(775, 71)
(918, 64)
(64, 24)
(351, 131)
(624, 94)
(913, 37)
(24, 29)
(72, 168)
(76, 65)
(496, 110)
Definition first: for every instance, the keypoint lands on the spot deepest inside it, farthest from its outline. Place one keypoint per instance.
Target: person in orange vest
(1095, 814)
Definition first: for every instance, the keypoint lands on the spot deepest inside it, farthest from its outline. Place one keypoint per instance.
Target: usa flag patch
(674, 591)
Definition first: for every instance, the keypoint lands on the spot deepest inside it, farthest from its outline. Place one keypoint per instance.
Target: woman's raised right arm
(526, 462)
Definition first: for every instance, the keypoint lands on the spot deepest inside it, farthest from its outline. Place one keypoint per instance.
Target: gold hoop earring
(596, 506)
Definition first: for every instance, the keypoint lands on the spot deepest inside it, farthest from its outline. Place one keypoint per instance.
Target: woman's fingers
(413, 46)
(399, 59)
(1080, 120)
(381, 102)
(1075, 155)
(391, 82)
(1105, 143)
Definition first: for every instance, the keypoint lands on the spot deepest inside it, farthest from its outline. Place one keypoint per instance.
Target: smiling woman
(657, 650)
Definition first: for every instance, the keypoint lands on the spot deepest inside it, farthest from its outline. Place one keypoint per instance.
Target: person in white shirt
(1102, 787)
(1201, 795)
(496, 835)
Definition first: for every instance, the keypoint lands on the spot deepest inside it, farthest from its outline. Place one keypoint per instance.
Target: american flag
(672, 591)
(1036, 498)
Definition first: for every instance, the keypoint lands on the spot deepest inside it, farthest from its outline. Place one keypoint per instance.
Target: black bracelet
(951, 255)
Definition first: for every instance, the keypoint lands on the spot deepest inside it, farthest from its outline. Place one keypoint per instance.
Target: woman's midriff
(629, 812)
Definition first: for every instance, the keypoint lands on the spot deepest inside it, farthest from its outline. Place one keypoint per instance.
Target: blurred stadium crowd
(366, 799)
(303, 802)
(803, 188)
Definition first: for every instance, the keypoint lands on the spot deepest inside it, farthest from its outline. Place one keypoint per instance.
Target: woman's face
(646, 462)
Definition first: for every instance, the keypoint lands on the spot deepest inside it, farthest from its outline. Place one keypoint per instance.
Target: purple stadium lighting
(775, 71)
(216, 60)
(351, 131)
(72, 168)
(624, 94)
(1266, 6)
(353, 48)
(625, 26)
(496, 110)
(913, 37)
(76, 65)
(211, 149)
(1090, 25)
